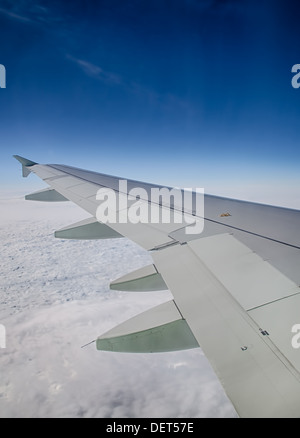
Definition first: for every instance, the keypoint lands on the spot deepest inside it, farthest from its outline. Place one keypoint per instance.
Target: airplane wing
(235, 286)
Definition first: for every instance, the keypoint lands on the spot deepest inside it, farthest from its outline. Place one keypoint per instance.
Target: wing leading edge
(235, 287)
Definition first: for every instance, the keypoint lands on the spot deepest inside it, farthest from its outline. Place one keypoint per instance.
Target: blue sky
(188, 93)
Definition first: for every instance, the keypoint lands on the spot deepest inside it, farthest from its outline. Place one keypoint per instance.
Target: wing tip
(24, 161)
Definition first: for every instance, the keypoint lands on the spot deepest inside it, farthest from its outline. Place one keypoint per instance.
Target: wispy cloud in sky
(13, 15)
(159, 80)
(31, 12)
(185, 93)
(95, 71)
(131, 86)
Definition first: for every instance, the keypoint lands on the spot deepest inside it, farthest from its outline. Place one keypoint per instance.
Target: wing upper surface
(272, 232)
(236, 285)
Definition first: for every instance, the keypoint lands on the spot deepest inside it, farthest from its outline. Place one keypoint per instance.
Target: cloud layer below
(54, 299)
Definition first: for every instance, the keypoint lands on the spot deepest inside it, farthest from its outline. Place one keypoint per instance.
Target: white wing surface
(235, 286)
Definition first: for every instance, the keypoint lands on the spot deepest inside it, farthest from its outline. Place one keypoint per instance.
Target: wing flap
(276, 320)
(251, 280)
(249, 365)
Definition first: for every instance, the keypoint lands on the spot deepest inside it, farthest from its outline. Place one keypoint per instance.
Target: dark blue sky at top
(158, 90)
